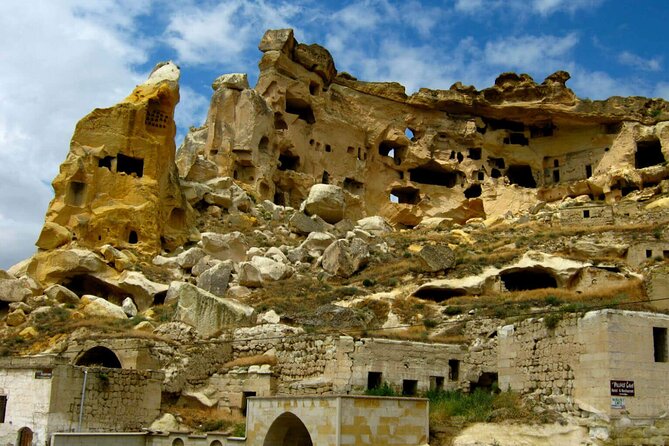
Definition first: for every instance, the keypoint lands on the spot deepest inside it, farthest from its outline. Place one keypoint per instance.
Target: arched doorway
(99, 356)
(287, 430)
(25, 437)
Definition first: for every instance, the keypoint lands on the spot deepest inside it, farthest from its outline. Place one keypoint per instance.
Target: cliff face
(458, 153)
(119, 184)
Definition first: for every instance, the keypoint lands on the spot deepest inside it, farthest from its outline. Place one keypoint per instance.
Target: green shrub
(552, 320)
(452, 311)
(368, 283)
(552, 300)
(383, 390)
(430, 323)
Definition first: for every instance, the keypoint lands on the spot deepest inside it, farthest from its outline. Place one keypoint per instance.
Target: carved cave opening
(263, 145)
(393, 150)
(279, 123)
(648, 153)
(432, 173)
(503, 124)
(542, 130)
(132, 237)
(288, 161)
(521, 175)
(473, 191)
(177, 218)
(76, 193)
(474, 153)
(353, 186)
(129, 165)
(517, 138)
(524, 279)
(82, 284)
(439, 294)
(106, 162)
(99, 357)
(300, 108)
(405, 195)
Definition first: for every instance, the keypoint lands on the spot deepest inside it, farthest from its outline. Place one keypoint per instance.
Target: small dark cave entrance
(129, 165)
(405, 195)
(521, 175)
(487, 381)
(437, 294)
(392, 150)
(648, 153)
(527, 279)
(300, 108)
(432, 173)
(99, 357)
(473, 191)
(85, 284)
(288, 161)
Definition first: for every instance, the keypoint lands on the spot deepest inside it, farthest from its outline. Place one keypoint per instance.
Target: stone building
(40, 395)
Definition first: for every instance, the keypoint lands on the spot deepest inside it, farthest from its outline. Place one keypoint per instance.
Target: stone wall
(115, 400)
(591, 214)
(534, 359)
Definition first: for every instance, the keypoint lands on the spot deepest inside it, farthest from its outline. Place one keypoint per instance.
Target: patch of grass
(552, 320)
(452, 310)
(383, 390)
(552, 300)
(208, 420)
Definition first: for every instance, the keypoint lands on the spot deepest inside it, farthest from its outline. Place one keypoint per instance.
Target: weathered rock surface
(204, 311)
(215, 279)
(343, 258)
(436, 257)
(13, 290)
(326, 201)
(98, 307)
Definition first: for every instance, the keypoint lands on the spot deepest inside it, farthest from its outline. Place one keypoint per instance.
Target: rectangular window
(588, 170)
(374, 380)
(436, 383)
(453, 369)
(3, 407)
(649, 253)
(409, 387)
(660, 344)
(586, 214)
(130, 165)
(246, 395)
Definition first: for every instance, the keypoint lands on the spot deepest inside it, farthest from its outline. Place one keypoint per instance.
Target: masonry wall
(587, 215)
(116, 399)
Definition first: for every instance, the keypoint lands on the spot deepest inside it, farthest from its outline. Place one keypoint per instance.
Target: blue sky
(62, 58)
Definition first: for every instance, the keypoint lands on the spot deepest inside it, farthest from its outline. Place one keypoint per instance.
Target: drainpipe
(83, 398)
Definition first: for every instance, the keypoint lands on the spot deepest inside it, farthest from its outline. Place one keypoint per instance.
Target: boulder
(232, 246)
(276, 254)
(204, 264)
(269, 317)
(13, 290)
(140, 288)
(278, 40)
(270, 269)
(53, 236)
(436, 257)
(98, 307)
(375, 225)
(16, 318)
(215, 279)
(326, 201)
(61, 294)
(53, 266)
(206, 312)
(301, 223)
(129, 307)
(317, 241)
(189, 258)
(343, 258)
(249, 275)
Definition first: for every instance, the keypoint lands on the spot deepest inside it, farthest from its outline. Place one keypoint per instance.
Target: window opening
(409, 387)
(325, 178)
(279, 123)
(460, 157)
(433, 173)
(263, 145)
(588, 170)
(556, 163)
(300, 108)
(129, 165)
(556, 176)
(393, 150)
(245, 396)
(474, 153)
(132, 237)
(660, 344)
(453, 369)
(313, 88)
(648, 153)
(374, 380)
(649, 253)
(409, 134)
(586, 214)
(3, 407)
(328, 148)
(480, 176)
(436, 383)
(473, 191)
(516, 138)
(353, 186)
(406, 195)
(288, 161)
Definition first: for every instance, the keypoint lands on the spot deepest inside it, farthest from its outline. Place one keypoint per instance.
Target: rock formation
(457, 153)
(119, 184)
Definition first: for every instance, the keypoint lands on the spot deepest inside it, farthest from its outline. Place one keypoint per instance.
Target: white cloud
(521, 8)
(547, 7)
(76, 55)
(531, 53)
(202, 34)
(638, 62)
